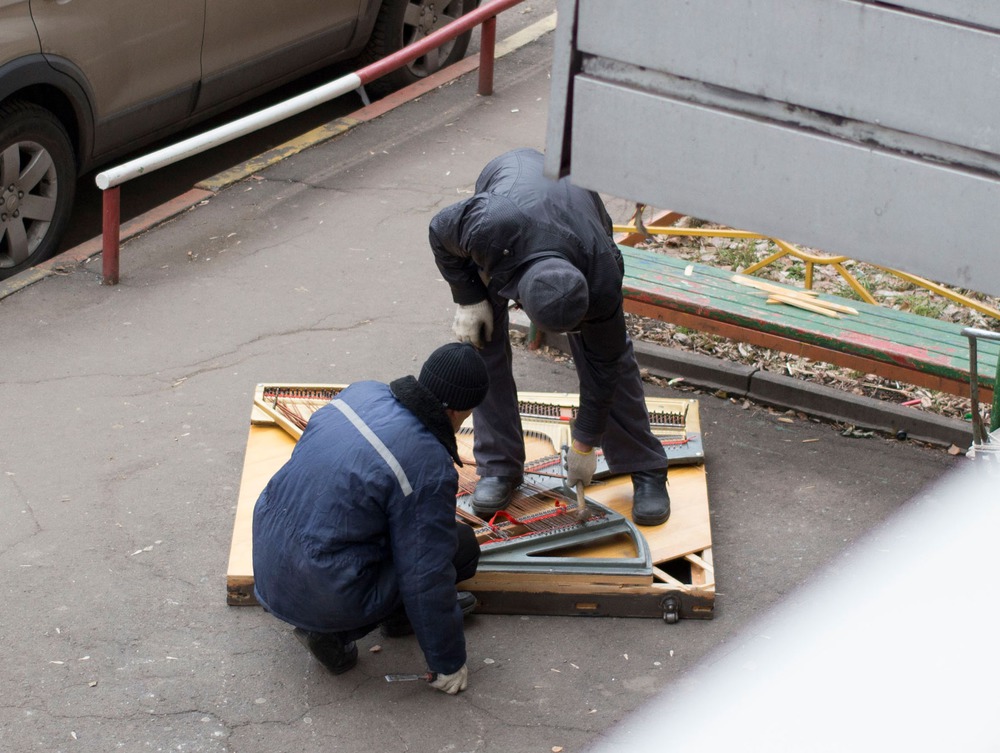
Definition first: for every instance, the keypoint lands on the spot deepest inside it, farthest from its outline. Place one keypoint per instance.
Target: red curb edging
(90, 248)
(137, 225)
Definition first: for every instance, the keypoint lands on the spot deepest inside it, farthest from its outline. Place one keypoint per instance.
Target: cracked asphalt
(125, 422)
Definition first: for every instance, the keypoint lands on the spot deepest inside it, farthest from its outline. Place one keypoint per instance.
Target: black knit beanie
(456, 374)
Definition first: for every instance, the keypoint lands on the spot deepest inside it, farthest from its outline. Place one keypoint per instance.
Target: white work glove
(453, 683)
(473, 322)
(580, 467)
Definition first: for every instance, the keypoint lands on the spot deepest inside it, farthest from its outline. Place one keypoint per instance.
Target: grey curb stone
(778, 391)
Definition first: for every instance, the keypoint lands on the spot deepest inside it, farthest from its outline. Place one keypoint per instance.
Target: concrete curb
(787, 393)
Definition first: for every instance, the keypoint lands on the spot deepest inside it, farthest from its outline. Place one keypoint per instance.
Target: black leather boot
(329, 650)
(650, 500)
(493, 493)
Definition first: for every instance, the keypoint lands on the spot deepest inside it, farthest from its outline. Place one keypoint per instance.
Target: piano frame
(595, 576)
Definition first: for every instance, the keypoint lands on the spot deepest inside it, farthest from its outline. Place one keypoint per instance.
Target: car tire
(37, 185)
(402, 22)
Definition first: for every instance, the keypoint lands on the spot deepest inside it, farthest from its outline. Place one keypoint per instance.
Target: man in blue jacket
(547, 245)
(358, 528)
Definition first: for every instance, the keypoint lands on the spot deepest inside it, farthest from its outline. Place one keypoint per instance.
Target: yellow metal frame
(809, 259)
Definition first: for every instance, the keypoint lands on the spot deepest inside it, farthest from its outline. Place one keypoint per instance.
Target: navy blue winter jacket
(360, 519)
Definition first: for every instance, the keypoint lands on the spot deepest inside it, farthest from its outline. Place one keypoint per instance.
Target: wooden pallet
(681, 583)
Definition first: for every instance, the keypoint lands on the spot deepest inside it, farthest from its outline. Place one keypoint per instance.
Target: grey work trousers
(628, 443)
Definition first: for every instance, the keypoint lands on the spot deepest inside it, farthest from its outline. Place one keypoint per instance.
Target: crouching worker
(358, 528)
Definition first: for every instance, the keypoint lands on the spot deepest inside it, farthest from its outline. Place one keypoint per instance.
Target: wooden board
(880, 340)
(682, 583)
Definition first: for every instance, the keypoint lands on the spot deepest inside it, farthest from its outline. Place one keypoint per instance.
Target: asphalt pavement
(126, 421)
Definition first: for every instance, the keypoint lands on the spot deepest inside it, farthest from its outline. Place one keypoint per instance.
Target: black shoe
(397, 624)
(650, 501)
(493, 493)
(329, 650)
(467, 601)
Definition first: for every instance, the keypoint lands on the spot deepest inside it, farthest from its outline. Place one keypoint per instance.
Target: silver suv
(82, 83)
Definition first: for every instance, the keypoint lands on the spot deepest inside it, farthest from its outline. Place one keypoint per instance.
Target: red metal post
(111, 234)
(487, 50)
(482, 14)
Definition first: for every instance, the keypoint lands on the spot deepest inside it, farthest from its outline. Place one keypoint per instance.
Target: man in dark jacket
(358, 528)
(548, 246)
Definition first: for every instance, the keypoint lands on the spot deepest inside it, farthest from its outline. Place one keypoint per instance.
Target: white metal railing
(110, 180)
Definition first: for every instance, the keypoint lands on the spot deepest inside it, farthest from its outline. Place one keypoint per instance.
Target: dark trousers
(466, 560)
(628, 443)
(467, 555)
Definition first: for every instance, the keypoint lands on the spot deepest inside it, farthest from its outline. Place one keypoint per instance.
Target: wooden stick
(799, 303)
(294, 431)
(771, 288)
(837, 307)
(806, 295)
(814, 301)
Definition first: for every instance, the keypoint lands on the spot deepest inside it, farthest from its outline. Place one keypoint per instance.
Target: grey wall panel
(984, 13)
(823, 193)
(873, 64)
(557, 151)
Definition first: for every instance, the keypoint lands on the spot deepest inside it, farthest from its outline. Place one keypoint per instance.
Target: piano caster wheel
(671, 610)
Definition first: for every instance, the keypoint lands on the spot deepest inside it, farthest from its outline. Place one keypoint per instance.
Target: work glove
(580, 466)
(473, 322)
(452, 683)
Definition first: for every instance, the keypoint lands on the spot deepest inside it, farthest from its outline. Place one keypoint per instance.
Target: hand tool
(426, 676)
(581, 500)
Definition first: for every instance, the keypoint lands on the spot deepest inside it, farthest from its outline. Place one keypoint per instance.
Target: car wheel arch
(390, 34)
(38, 186)
(51, 85)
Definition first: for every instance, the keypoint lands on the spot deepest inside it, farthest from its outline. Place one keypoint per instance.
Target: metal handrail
(979, 433)
(110, 180)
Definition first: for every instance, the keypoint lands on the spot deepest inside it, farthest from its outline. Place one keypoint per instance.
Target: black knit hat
(456, 374)
(554, 295)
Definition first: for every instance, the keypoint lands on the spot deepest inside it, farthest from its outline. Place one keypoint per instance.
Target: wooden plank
(879, 340)
(268, 447)
(650, 602)
(687, 530)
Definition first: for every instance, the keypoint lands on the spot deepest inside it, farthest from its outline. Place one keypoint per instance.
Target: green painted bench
(879, 340)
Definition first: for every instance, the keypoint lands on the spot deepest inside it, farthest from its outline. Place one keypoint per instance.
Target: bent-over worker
(547, 245)
(358, 528)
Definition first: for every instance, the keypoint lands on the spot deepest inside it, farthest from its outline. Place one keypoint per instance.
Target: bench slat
(881, 340)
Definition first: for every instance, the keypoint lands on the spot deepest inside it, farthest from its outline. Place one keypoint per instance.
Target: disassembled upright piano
(540, 555)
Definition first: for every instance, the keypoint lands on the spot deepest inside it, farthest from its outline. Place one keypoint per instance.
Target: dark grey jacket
(518, 216)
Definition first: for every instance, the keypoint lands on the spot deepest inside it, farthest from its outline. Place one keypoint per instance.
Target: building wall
(856, 128)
